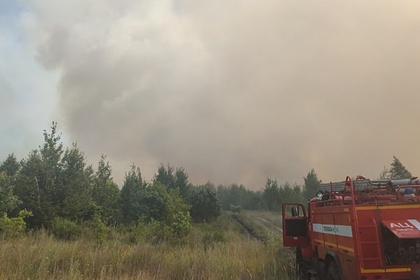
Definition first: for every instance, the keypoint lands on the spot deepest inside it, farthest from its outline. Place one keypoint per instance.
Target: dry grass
(40, 256)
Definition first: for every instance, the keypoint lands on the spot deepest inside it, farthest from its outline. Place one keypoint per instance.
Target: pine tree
(312, 184)
(398, 170)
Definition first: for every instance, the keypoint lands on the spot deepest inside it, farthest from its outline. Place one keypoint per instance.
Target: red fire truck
(357, 229)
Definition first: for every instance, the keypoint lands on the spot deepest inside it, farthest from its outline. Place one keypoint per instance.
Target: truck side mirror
(295, 211)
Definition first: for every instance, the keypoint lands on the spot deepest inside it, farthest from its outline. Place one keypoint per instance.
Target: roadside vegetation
(217, 250)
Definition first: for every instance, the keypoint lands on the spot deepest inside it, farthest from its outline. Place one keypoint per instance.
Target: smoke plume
(237, 91)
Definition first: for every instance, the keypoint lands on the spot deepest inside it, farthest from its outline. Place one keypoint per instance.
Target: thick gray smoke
(237, 91)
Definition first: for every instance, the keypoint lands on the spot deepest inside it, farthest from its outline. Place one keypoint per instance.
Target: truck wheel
(333, 273)
(301, 266)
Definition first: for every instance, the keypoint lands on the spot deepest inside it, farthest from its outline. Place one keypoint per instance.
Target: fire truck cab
(357, 229)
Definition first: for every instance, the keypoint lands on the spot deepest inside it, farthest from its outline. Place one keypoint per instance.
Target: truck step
(312, 272)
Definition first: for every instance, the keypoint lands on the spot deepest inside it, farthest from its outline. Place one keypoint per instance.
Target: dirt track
(259, 225)
(270, 225)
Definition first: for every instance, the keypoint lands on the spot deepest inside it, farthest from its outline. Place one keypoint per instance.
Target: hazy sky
(233, 91)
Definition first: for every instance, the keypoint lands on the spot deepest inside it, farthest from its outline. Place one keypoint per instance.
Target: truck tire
(301, 266)
(333, 273)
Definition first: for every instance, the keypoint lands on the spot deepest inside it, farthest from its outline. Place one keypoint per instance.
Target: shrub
(205, 206)
(14, 227)
(235, 208)
(212, 236)
(99, 228)
(181, 225)
(65, 229)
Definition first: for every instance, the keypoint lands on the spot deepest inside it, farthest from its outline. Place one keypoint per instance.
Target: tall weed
(231, 256)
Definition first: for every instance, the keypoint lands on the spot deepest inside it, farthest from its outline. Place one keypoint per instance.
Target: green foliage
(173, 179)
(275, 194)
(153, 202)
(131, 194)
(34, 188)
(230, 255)
(398, 170)
(54, 182)
(100, 229)
(161, 231)
(106, 194)
(10, 166)
(14, 227)
(65, 229)
(8, 201)
(162, 216)
(312, 184)
(291, 194)
(166, 176)
(235, 208)
(72, 198)
(205, 205)
(271, 195)
(156, 203)
(181, 224)
(212, 236)
(239, 195)
(157, 232)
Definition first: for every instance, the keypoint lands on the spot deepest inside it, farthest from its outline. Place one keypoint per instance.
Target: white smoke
(236, 91)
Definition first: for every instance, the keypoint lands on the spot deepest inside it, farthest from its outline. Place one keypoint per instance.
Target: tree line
(54, 186)
(273, 194)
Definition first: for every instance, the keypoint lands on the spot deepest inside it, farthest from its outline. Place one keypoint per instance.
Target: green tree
(239, 196)
(132, 192)
(254, 200)
(205, 206)
(173, 179)
(167, 210)
(398, 170)
(53, 182)
(33, 190)
(106, 194)
(272, 196)
(290, 194)
(154, 203)
(231, 195)
(312, 184)
(285, 193)
(8, 201)
(166, 176)
(10, 166)
(47, 177)
(181, 182)
(51, 153)
(13, 227)
(72, 198)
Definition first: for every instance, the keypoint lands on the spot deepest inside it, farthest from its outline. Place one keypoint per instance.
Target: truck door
(295, 225)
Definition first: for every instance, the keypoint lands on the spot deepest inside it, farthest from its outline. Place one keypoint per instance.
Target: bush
(14, 227)
(212, 236)
(235, 208)
(65, 229)
(205, 206)
(181, 225)
(99, 229)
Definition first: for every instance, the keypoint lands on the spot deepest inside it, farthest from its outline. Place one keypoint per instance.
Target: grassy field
(219, 250)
